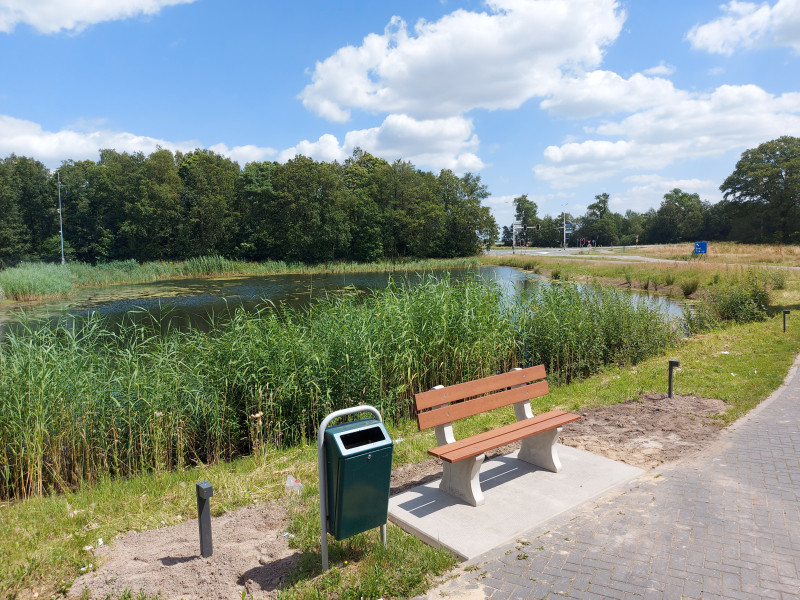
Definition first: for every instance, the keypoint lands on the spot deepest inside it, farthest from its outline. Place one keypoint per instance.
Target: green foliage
(743, 300)
(699, 318)
(30, 281)
(689, 286)
(78, 401)
(165, 206)
(575, 331)
(767, 178)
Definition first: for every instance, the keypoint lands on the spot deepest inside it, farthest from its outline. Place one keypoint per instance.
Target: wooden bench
(441, 406)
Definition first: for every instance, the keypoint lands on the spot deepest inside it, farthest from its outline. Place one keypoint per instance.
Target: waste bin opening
(362, 437)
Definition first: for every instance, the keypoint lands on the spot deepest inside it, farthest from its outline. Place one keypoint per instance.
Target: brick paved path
(724, 524)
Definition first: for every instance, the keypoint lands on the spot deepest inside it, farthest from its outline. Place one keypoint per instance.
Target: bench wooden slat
(507, 434)
(453, 393)
(468, 408)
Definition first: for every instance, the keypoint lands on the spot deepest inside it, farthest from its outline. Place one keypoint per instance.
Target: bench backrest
(447, 404)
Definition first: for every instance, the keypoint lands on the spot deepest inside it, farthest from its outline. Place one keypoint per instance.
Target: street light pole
(60, 220)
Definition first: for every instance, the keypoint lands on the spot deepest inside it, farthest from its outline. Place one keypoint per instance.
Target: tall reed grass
(31, 281)
(78, 402)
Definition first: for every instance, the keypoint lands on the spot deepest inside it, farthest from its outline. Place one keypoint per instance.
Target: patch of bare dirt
(252, 554)
(647, 432)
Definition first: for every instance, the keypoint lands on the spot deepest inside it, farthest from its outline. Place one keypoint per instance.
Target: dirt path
(252, 553)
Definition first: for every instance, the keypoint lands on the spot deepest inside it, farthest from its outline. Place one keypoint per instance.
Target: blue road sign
(701, 247)
(568, 228)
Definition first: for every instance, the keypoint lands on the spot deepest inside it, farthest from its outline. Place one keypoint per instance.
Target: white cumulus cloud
(245, 154)
(26, 138)
(599, 92)
(649, 189)
(52, 16)
(746, 24)
(497, 59)
(431, 144)
(695, 126)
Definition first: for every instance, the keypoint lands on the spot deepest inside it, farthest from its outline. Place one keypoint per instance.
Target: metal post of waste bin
(323, 484)
(204, 492)
(785, 312)
(672, 365)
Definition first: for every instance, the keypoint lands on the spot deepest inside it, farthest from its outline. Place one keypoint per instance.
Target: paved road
(617, 253)
(723, 524)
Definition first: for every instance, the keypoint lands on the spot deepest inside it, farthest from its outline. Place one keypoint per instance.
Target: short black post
(672, 365)
(785, 312)
(204, 492)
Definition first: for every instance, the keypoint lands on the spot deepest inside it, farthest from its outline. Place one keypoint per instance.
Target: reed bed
(79, 401)
(38, 281)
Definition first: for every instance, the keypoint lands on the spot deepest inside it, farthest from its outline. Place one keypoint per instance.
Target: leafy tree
(208, 197)
(14, 235)
(83, 184)
(30, 185)
(768, 177)
(469, 226)
(525, 214)
(258, 210)
(360, 181)
(678, 219)
(600, 223)
(505, 236)
(311, 224)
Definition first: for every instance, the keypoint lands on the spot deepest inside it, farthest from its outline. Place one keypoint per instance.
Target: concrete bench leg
(540, 450)
(460, 479)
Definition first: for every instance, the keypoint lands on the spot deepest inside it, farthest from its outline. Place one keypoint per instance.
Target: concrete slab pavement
(518, 496)
(724, 524)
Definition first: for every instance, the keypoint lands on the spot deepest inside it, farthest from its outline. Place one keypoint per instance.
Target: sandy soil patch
(252, 553)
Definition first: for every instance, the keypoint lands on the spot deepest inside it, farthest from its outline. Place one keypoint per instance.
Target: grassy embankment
(740, 364)
(692, 279)
(40, 281)
(726, 253)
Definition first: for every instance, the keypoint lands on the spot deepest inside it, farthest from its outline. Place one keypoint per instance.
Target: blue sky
(560, 100)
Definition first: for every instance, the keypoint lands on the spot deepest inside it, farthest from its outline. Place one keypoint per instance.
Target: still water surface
(177, 303)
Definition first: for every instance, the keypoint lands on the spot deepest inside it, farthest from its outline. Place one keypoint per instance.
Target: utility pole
(60, 220)
(515, 227)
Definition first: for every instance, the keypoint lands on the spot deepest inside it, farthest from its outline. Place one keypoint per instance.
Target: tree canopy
(176, 206)
(767, 181)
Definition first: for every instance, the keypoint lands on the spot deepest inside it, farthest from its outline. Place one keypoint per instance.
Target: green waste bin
(358, 457)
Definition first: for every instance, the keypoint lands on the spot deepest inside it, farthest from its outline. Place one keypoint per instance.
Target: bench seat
(440, 406)
(508, 434)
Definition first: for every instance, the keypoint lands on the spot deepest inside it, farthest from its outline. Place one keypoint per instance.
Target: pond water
(177, 303)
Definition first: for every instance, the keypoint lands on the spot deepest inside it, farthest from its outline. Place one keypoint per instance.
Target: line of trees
(175, 206)
(761, 204)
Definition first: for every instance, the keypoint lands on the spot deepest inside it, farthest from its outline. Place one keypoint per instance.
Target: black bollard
(204, 492)
(785, 312)
(672, 365)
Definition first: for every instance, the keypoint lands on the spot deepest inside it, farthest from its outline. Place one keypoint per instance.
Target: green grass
(79, 401)
(77, 371)
(741, 365)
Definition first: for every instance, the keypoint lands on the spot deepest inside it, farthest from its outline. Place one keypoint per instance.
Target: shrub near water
(78, 403)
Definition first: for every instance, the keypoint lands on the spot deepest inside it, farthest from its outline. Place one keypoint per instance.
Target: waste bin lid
(359, 436)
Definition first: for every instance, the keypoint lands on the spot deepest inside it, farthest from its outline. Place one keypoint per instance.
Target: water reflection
(182, 303)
